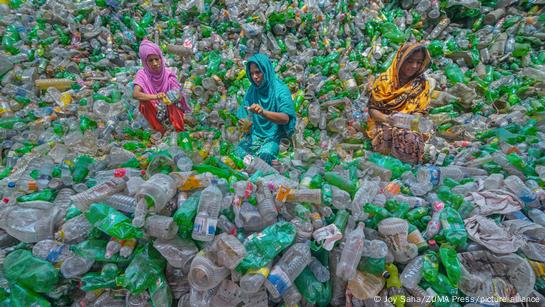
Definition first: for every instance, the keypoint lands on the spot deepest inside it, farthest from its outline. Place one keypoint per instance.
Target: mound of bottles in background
(97, 210)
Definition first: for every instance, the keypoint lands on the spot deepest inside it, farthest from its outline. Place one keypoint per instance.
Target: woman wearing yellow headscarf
(403, 88)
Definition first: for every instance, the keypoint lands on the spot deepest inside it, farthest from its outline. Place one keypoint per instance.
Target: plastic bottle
(411, 276)
(76, 266)
(179, 253)
(434, 226)
(292, 263)
(60, 84)
(253, 280)
(204, 275)
(74, 230)
(51, 251)
(153, 195)
(411, 122)
(204, 228)
(265, 203)
(321, 273)
(517, 186)
(84, 199)
(351, 254)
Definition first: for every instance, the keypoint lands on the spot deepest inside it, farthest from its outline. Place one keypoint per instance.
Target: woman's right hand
(245, 125)
(160, 96)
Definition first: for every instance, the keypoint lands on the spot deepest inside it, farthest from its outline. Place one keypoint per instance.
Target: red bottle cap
(120, 172)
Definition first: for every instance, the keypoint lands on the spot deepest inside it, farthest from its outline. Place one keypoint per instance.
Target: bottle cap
(120, 172)
(11, 184)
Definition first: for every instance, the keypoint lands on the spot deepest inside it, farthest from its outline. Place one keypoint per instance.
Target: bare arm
(139, 95)
(275, 117)
(379, 116)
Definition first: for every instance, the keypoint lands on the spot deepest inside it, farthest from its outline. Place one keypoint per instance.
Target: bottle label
(204, 225)
(282, 194)
(263, 271)
(279, 280)
(435, 175)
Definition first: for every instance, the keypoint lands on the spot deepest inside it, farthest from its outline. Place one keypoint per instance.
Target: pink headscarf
(152, 82)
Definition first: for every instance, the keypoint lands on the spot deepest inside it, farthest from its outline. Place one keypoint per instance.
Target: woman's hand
(255, 108)
(159, 96)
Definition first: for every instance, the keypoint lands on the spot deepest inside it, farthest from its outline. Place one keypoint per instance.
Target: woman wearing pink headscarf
(151, 85)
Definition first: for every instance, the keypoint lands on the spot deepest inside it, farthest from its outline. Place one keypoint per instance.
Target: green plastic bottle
(185, 215)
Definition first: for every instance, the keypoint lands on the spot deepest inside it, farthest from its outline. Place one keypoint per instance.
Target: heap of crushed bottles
(98, 210)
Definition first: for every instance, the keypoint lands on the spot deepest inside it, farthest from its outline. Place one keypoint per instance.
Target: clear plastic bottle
(292, 263)
(413, 122)
(76, 266)
(351, 254)
(411, 275)
(84, 199)
(319, 270)
(113, 247)
(51, 251)
(265, 203)
(102, 176)
(74, 230)
(121, 202)
(365, 194)
(204, 228)
(153, 195)
(204, 275)
(434, 225)
(178, 252)
(254, 164)
(517, 186)
(161, 227)
(228, 250)
(253, 280)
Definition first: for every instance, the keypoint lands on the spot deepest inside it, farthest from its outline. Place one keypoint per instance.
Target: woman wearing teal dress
(267, 112)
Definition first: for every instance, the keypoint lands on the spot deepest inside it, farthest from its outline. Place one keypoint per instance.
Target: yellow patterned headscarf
(388, 96)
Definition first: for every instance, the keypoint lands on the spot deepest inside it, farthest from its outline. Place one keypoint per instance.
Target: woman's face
(256, 74)
(154, 63)
(412, 65)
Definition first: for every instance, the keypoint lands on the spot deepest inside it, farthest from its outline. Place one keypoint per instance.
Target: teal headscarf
(273, 95)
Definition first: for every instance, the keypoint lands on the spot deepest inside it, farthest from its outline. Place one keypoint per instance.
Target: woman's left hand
(255, 108)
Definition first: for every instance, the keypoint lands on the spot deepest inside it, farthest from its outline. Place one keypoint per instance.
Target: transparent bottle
(84, 199)
(319, 270)
(286, 270)
(253, 280)
(76, 266)
(205, 275)
(265, 203)
(412, 122)
(51, 251)
(204, 228)
(74, 230)
(411, 275)
(351, 254)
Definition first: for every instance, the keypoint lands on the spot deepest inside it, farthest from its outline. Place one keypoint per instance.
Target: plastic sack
(262, 247)
(145, 270)
(34, 273)
(112, 222)
(486, 275)
(185, 215)
(95, 249)
(312, 290)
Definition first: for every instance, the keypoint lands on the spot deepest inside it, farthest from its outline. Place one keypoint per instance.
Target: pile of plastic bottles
(98, 210)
